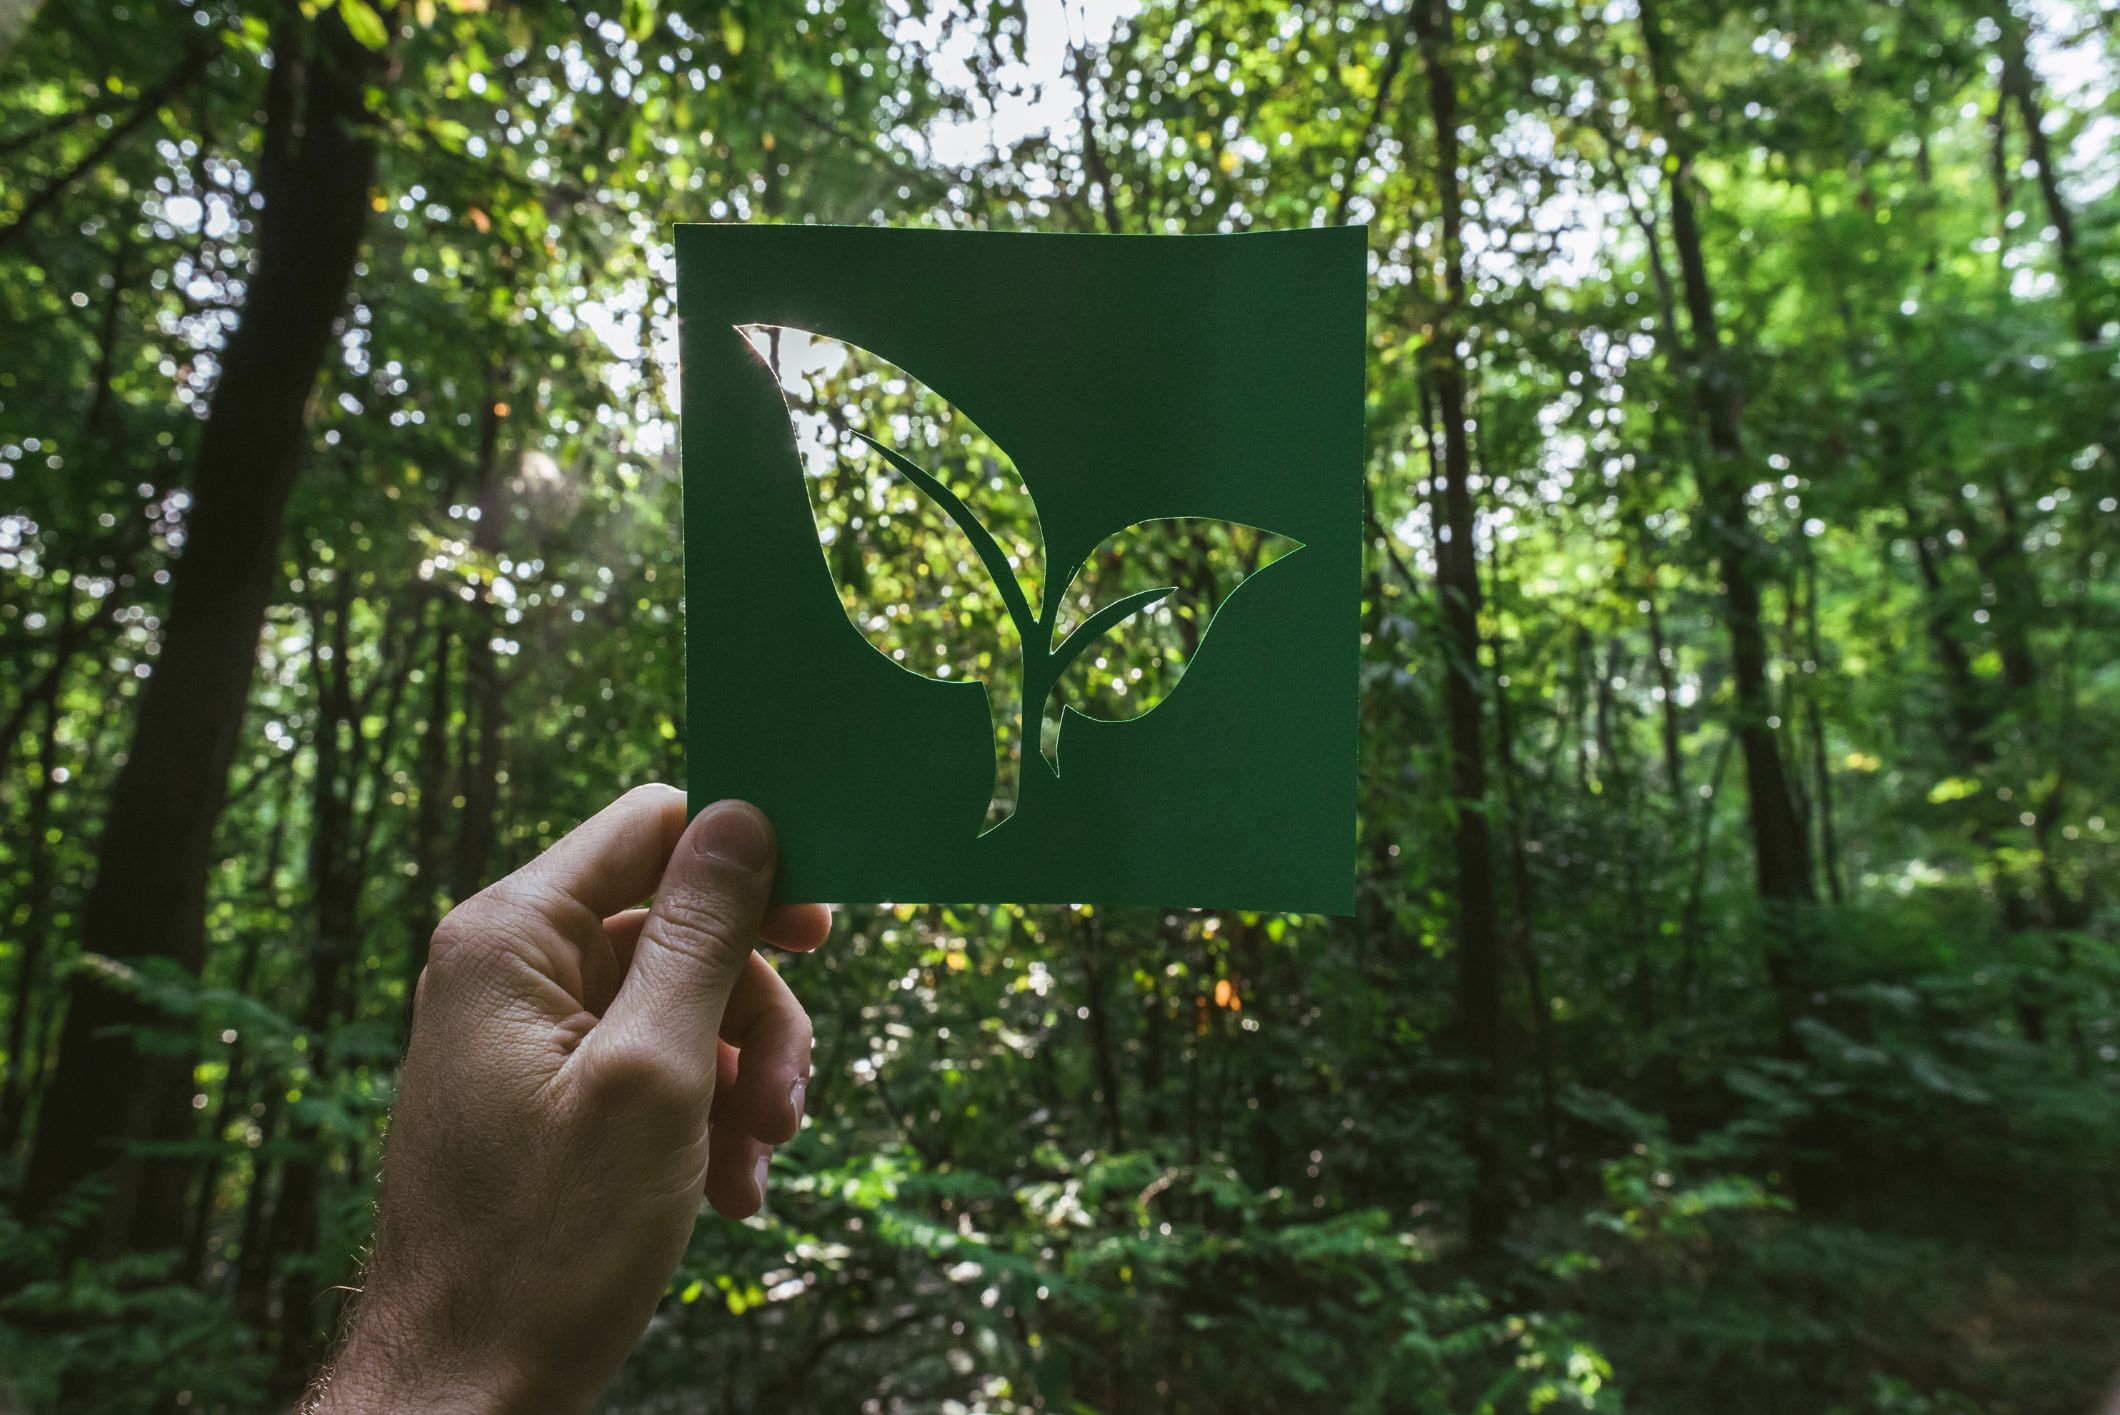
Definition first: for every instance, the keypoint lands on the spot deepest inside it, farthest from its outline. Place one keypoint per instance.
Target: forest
(1730, 1014)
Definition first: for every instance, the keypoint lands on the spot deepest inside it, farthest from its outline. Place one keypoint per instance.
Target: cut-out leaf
(1137, 611)
(892, 470)
(933, 539)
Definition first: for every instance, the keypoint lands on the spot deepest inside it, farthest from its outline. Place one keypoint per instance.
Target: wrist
(388, 1366)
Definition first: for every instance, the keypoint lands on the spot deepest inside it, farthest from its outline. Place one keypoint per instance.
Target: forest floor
(1806, 1316)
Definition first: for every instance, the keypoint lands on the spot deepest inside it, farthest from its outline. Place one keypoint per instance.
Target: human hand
(580, 1072)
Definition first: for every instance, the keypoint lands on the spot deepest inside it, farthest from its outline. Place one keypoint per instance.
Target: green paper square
(1128, 380)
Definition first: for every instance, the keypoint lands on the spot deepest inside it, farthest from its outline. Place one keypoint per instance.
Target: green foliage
(1858, 1156)
(122, 1335)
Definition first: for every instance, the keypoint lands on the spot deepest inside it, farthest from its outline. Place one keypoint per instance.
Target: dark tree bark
(1821, 764)
(483, 687)
(1104, 189)
(334, 902)
(1969, 736)
(1387, 82)
(254, 1256)
(1661, 659)
(1103, 1049)
(2011, 583)
(1970, 725)
(1790, 708)
(430, 821)
(1616, 779)
(1780, 854)
(23, 1064)
(1692, 924)
(1478, 1020)
(1155, 1099)
(1522, 937)
(149, 899)
(2020, 90)
(235, 1088)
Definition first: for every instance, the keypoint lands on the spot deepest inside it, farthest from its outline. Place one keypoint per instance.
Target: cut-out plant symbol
(934, 541)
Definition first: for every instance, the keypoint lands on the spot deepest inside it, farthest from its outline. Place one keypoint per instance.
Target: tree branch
(1100, 173)
(1394, 58)
(58, 123)
(178, 79)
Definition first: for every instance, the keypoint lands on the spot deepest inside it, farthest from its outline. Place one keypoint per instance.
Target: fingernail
(765, 1162)
(798, 1092)
(735, 834)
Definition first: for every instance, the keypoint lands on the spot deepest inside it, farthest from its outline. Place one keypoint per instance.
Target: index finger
(615, 858)
(798, 928)
(792, 928)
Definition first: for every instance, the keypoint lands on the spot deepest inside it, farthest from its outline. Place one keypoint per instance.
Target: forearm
(403, 1367)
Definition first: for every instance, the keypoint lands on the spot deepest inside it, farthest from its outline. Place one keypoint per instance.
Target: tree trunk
(255, 1256)
(1523, 942)
(149, 899)
(1692, 923)
(1970, 725)
(2009, 582)
(483, 688)
(2020, 90)
(1575, 692)
(1667, 687)
(22, 1064)
(1155, 1102)
(334, 898)
(1970, 730)
(235, 1087)
(1780, 855)
(340, 840)
(1478, 1019)
(1821, 764)
(1616, 779)
(428, 823)
(1102, 1048)
(98, 431)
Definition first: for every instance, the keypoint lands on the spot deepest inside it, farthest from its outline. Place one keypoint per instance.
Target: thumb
(698, 935)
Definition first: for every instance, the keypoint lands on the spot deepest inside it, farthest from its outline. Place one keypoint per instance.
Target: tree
(149, 901)
(1478, 1018)
(1116, 1159)
(1780, 850)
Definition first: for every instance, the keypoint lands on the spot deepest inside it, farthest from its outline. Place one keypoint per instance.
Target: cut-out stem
(989, 550)
(1063, 657)
(1010, 781)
